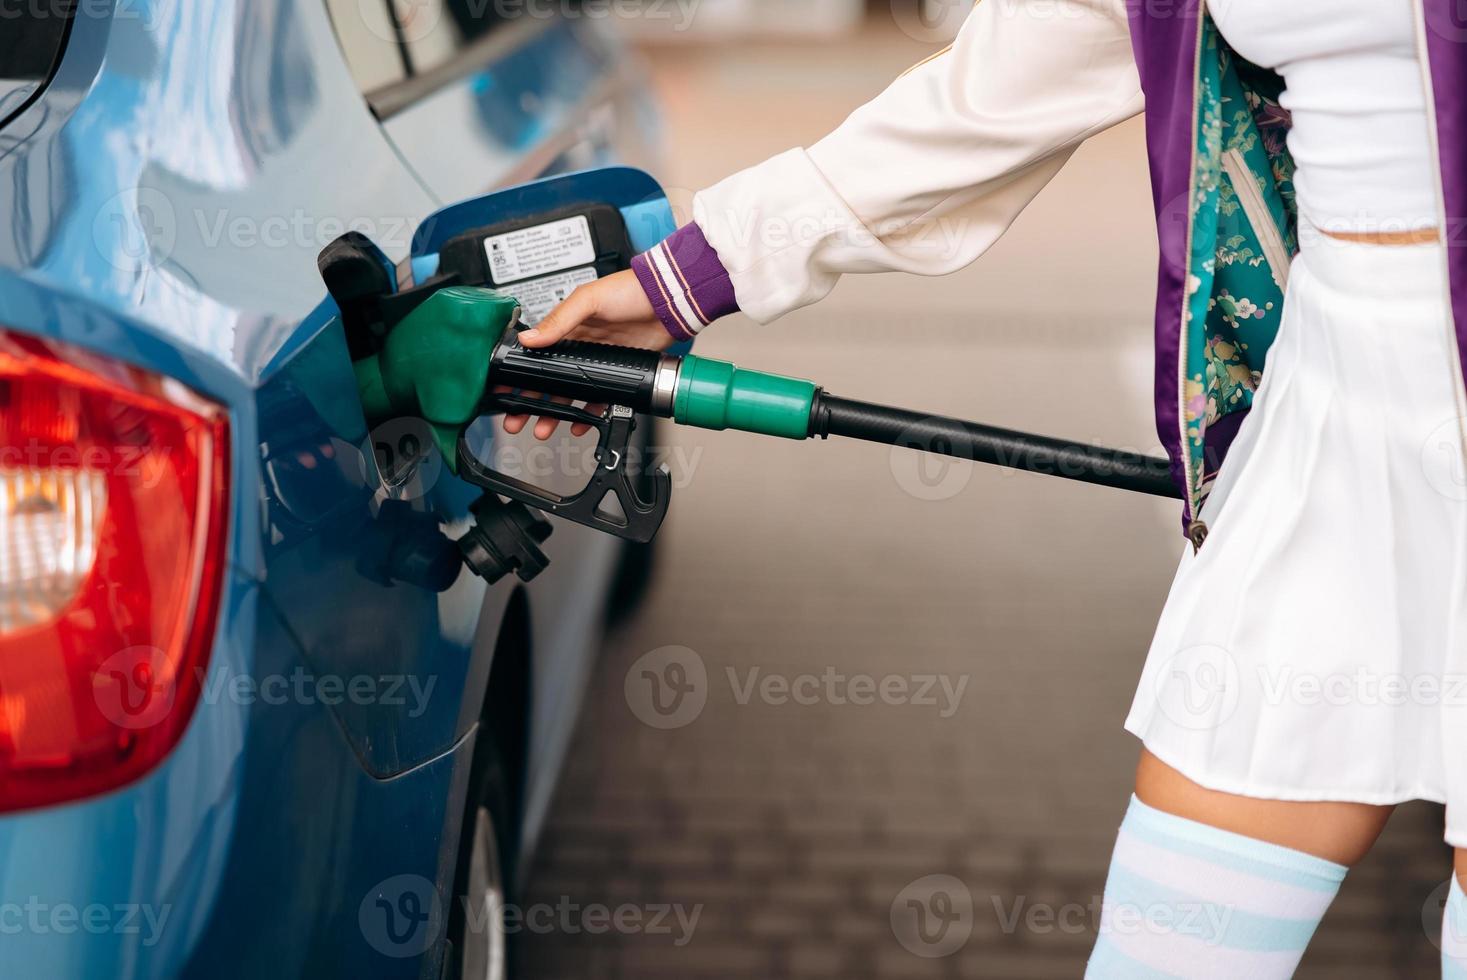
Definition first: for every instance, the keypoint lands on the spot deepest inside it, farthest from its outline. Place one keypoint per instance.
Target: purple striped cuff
(687, 284)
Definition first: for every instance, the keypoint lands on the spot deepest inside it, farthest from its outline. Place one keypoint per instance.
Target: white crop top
(1355, 89)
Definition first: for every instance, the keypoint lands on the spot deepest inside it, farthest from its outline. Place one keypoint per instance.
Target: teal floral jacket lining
(1244, 235)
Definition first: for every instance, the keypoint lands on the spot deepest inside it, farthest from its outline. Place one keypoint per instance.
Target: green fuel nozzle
(444, 359)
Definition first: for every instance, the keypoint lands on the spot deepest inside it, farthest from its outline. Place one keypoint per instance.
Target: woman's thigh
(1338, 832)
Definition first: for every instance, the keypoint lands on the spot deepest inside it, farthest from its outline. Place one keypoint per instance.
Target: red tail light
(113, 493)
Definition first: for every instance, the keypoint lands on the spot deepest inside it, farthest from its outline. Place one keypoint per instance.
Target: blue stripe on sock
(1234, 851)
(1209, 923)
(1174, 925)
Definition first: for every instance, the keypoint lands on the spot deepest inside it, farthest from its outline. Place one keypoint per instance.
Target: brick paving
(793, 828)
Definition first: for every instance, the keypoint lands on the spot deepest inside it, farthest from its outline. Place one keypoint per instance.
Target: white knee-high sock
(1454, 934)
(1187, 900)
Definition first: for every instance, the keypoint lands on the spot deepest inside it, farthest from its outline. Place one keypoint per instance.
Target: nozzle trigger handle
(640, 518)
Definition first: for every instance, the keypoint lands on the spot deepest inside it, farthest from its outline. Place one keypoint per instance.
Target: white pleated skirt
(1315, 648)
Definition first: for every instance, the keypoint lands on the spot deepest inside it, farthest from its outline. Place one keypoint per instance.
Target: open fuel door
(425, 340)
(537, 242)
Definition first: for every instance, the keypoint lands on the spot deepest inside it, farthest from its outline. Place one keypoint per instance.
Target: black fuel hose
(833, 416)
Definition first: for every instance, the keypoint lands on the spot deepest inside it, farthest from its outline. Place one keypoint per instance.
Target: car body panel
(166, 198)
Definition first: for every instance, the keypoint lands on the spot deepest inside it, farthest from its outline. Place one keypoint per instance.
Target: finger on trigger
(581, 428)
(545, 428)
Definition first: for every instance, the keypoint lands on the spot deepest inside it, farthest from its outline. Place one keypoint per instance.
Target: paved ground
(803, 828)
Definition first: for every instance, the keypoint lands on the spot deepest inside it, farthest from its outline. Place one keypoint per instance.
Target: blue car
(239, 733)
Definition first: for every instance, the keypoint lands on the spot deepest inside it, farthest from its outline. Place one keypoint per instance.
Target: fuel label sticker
(534, 251)
(539, 296)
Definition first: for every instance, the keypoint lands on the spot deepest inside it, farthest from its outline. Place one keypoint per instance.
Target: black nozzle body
(597, 373)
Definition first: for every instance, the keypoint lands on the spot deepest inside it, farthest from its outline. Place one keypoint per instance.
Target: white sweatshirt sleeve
(926, 176)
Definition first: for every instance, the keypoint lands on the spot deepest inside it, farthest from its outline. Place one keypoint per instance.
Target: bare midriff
(1420, 236)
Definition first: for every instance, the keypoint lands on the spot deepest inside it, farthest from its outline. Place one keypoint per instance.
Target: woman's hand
(614, 310)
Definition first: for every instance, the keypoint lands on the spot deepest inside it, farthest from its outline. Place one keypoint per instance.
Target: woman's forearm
(923, 178)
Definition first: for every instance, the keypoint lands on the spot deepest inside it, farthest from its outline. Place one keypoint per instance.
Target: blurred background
(959, 824)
